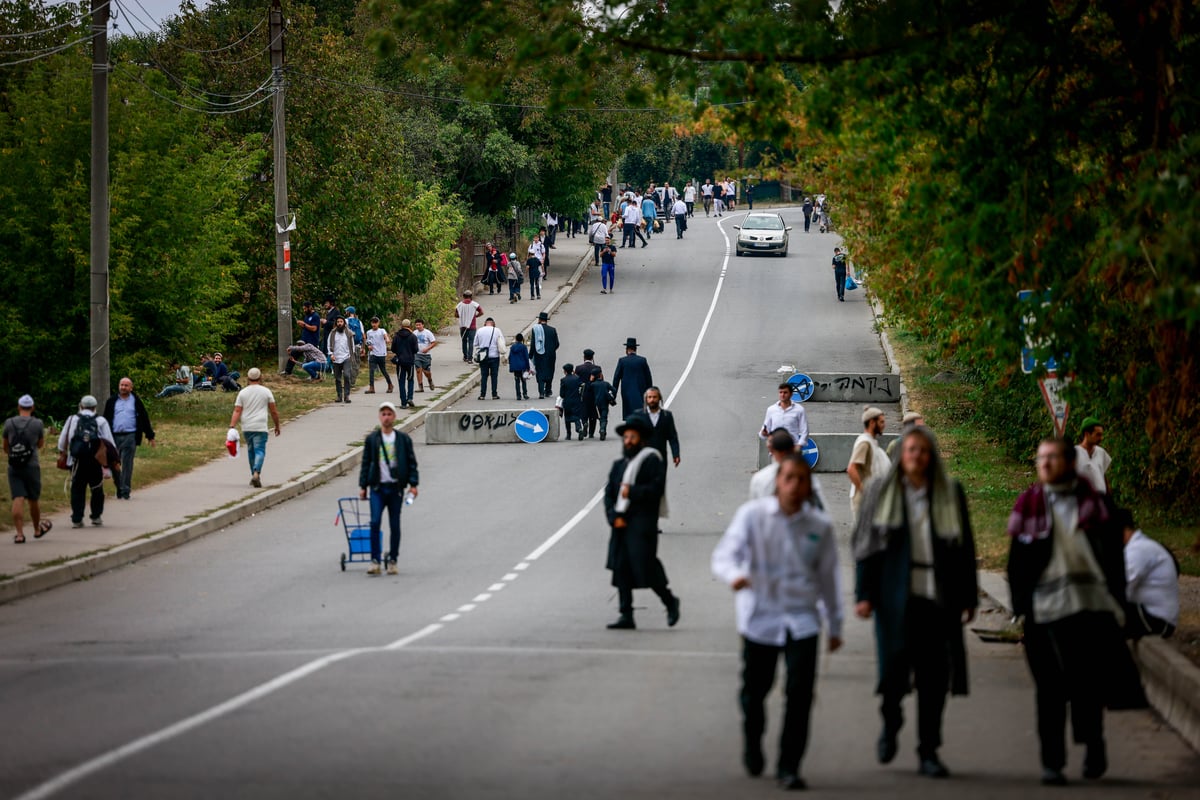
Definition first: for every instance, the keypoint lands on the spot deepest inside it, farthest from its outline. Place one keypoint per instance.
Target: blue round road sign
(811, 453)
(802, 387)
(532, 426)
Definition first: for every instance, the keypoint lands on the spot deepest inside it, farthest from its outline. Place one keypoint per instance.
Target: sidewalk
(314, 448)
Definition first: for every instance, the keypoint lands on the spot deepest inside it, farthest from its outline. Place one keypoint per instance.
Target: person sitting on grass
(183, 381)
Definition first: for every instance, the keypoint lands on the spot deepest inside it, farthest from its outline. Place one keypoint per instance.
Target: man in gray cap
(868, 461)
(24, 436)
(83, 439)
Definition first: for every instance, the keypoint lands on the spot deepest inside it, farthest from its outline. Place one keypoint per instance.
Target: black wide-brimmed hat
(631, 343)
(636, 421)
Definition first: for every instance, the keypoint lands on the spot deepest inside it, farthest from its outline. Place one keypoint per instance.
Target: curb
(84, 567)
(1172, 682)
(893, 364)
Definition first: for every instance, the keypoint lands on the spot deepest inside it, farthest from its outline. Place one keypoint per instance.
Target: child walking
(518, 365)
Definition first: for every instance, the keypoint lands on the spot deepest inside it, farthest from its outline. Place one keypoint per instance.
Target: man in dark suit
(585, 371)
(664, 425)
(633, 502)
(632, 378)
(543, 347)
(130, 423)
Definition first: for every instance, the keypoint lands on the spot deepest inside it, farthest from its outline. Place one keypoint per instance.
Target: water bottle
(409, 497)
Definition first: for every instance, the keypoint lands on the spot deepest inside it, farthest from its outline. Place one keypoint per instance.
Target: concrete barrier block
(490, 426)
(847, 387)
(835, 449)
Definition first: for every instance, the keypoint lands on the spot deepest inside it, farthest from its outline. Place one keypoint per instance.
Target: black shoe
(885, 748)
(1095, 762)
(495, 397)
(933, 768)
(673, 612)
(482, 397)
(789, 781)
(624, 623)
(753, 760)
(1053, 777)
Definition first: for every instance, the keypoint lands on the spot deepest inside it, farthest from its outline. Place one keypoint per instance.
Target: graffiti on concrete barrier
(492, 422)
(875, 384)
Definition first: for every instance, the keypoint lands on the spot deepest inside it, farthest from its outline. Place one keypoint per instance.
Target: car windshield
(763, 223)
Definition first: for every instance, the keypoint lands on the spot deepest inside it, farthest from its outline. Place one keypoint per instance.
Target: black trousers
(87, 474)
(1063, 659)
(925, 665)
(625, 590)
(839, 277)
(758, 676)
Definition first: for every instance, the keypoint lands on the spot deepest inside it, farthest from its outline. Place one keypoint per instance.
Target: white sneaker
(374, 569)
(391, 570)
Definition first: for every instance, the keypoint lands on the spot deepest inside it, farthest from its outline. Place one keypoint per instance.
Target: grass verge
(189, 432)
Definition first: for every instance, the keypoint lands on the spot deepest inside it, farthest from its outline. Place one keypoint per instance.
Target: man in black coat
(570, 396)
(632, 378)
(664, 425)
(128, 428)
(389, 465)
(1066, 571)
(543, 348)
(633, 503)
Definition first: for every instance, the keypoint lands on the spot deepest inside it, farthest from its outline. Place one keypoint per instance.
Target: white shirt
(916, 504)
(64, 438)
(536, 248)
(877, 462)
(425, 339)
(339, 345)
(388, 459)
(792, 419)
(492, 341)
(632, 214)
(377, 340)
(255, 401)
(689, 194)
(762, 484)
(1093, 467)
(466, 314)
(792, 565)
(1150, 578)
(679, 208)
(706, 189)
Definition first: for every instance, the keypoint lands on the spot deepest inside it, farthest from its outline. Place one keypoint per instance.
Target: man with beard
(633, 503)
(344, 356)
(543, 348)
(663, 422)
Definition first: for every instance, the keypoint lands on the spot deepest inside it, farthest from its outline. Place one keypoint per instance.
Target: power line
(152, 28)
(211, 111)
(50, 52)
(48, 48)
(60, 26)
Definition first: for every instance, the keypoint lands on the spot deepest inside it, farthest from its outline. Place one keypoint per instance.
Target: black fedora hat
(631, 343)
(636, 421)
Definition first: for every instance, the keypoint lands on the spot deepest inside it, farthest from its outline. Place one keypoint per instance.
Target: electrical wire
(152, 28)
(50, 52)
(48, 48)
(60, 26)
(211, 111)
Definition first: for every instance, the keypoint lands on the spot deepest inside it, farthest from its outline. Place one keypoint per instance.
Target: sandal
(43, 528)
(19, 539)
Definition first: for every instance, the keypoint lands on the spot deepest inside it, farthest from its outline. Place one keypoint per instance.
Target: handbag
(62, 461)
(481, 353)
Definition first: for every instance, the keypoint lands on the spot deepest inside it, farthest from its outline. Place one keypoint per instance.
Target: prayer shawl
(630, 476)
(882, 510)
(539, 339)
(1030, 519)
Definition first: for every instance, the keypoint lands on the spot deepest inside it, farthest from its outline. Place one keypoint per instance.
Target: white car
(762, 232)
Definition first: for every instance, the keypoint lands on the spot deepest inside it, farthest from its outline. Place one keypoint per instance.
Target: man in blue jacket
(388, 466)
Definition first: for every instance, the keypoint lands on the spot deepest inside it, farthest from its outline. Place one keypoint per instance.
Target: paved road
(247, 665)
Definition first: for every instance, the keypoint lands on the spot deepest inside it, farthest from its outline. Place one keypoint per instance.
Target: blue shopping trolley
(355, 517)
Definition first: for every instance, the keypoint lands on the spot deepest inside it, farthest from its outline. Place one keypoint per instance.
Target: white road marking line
(76, 774)
(512, 576)
(450, 617)
(482, 598)
(468, 607)
(495, 587)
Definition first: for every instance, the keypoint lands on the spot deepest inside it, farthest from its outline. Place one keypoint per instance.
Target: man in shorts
(24, 436)
(426, 341)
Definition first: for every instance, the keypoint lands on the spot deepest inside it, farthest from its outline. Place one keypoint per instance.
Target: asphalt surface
(247, 665)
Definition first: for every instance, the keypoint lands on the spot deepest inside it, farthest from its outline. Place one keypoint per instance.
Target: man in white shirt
(1151, 583)
(762, 483)
(344, 356)
(1091, 460)
(251, 408)
(468, 311)
(377, 340)
(779, 555)
(632, 219)
(87, 464)
(426, 341)
(868, 461)
(787, 415)
(706, 194)
(679, 209)
(689, 197)
(490, 338)
(550, 219)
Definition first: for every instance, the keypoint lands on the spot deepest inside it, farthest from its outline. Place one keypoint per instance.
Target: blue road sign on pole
(532, 426)
(802, 387)
(811, 452)
(1031, 302)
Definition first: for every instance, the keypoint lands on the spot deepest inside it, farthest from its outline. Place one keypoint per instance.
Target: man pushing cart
(388, 467)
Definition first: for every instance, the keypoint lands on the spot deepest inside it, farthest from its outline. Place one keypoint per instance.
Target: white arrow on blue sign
(532, 426)
(1032, 302)
(811, 453)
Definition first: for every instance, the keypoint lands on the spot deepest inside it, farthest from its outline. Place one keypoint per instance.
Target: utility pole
(283, 226)
(99, 255)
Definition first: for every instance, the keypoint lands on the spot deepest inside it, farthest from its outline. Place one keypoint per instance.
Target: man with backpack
(83, 439)
(24, 436)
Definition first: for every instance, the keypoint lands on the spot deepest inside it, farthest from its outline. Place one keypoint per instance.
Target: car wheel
(738, 253)
(783, 253)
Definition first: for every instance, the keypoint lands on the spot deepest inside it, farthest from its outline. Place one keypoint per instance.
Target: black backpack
(20, 451)
(85, 440)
